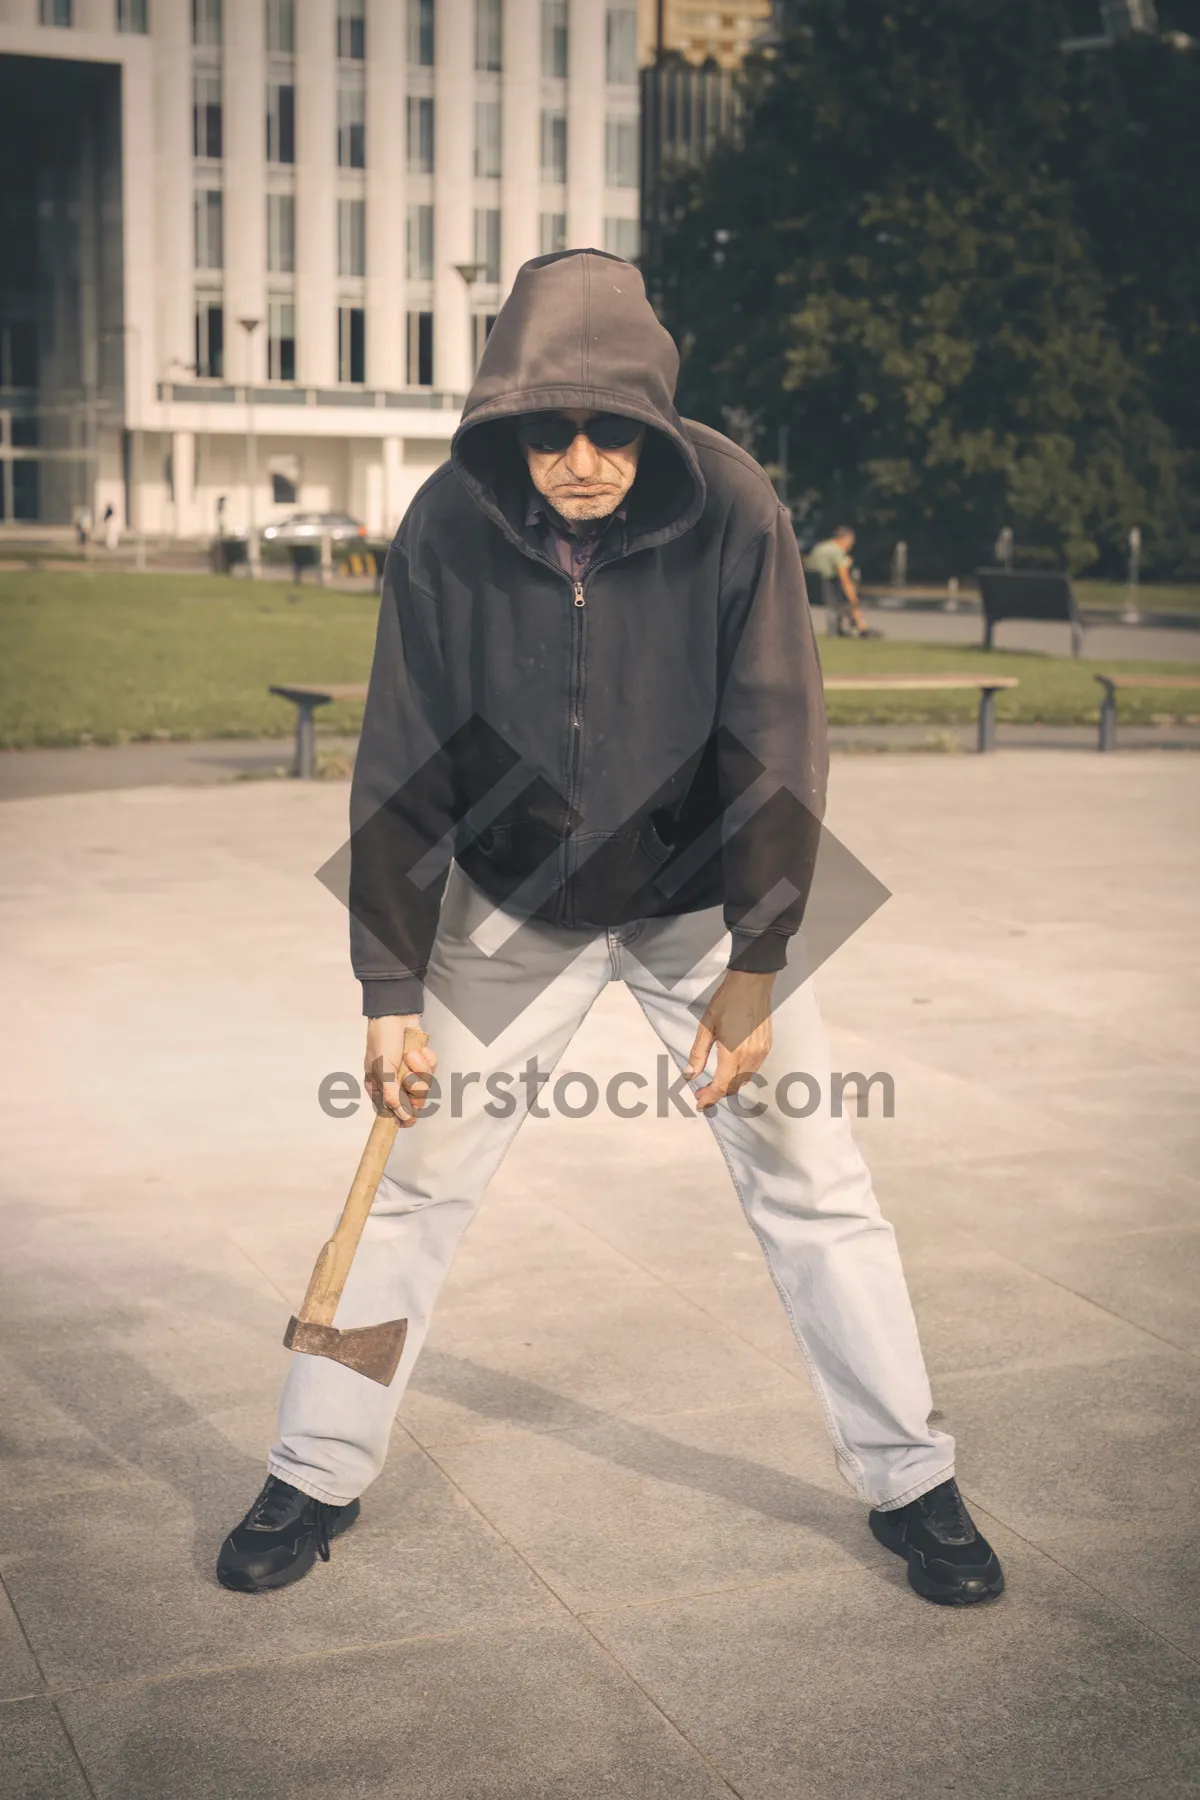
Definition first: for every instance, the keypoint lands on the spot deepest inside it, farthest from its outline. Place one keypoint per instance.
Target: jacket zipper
(578, 633)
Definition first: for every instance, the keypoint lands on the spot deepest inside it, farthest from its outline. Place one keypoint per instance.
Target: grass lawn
(104, 658)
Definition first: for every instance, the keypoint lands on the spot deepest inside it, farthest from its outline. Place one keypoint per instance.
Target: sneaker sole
(988, 1584)
(236, 1583)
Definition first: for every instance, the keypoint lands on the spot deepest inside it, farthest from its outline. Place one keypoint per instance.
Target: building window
(283, 488)
(281, 122)
(553, 233)
(281, 234)
(420, 33)
(131, 16)
(489, 34)
(210, 235)
(420, 135)
(351, 30)
(351, 129)
(621, 153)
(55, 12)
(352, 237)
(206, 113)
(554, 38)
(281, 338)
(620, 46)
(481, 331)
(487, 137)
(554, 146)
(420, 243)
(487, 242)
(352, 344)
(210, 336)
(206, 21)
(621, 238)
(281, 27)
(420, 349)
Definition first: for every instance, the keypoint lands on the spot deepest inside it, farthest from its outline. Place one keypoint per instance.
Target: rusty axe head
(370, 1350)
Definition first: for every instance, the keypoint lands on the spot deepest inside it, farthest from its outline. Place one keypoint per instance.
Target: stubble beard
(578, 506)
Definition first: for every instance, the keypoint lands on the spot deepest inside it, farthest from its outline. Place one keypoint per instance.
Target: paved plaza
(610, 1558)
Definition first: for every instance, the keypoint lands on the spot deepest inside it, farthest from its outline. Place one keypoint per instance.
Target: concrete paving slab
(618, 1510)
(96, 1608)
(1149, 1276)
(837, 1688)
(19, 1675)
(1041, 940)
(36, 1758)
(1058, 1449)
(533, 1715)
(1160, 1587)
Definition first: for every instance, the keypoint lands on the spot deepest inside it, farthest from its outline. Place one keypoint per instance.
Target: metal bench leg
(987, 720)
(305, 766)
(1108, 720)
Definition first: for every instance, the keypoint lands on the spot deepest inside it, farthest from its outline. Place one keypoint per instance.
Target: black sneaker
(280, 1538)
(949, 1562)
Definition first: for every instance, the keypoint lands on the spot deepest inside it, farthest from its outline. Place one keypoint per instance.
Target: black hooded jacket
(648, 743)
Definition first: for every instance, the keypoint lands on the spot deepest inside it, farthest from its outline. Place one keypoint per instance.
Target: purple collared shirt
(573, 546)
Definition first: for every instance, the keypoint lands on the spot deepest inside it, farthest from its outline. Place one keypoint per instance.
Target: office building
(272, 234)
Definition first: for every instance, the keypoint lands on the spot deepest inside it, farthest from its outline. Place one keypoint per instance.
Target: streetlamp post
(250, 326)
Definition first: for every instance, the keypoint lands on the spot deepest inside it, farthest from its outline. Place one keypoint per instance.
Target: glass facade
(281, 233)
(281, 337)
(206, 113)
(420, 135)
(489, 35)
(554, 145)
(487, 243)
(352, 344)
(352, 123)
(487, 138)
(620, 46)
(420, 33)
(351, 30)
(352, 237)
(420, 242)
(281, 122)
(554, 39)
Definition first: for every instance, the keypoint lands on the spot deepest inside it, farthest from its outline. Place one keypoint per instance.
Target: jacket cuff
(758, 953)
(392, 995)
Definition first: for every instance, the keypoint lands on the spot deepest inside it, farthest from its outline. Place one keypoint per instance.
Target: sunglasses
(553, 431)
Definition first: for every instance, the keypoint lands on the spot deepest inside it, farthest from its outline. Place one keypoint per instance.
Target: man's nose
(583, 460)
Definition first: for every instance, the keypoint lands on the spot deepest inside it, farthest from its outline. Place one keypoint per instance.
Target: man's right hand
(397, 1083)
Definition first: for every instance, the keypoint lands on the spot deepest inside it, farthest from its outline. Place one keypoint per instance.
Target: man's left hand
(738, 1020)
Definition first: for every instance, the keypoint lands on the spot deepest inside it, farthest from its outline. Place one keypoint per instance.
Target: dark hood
(578, 331)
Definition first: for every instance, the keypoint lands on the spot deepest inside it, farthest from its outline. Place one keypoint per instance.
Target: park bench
(306, 699)
(988, 687)
(1113, 683)
(1028, 594)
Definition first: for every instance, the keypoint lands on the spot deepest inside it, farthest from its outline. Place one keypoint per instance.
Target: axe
(371, 1350)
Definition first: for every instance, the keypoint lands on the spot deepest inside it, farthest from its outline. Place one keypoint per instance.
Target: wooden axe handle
(333, 1264)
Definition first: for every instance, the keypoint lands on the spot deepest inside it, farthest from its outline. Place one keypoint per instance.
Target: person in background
(830, 562)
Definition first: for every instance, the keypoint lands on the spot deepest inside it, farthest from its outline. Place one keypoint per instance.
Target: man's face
(584, 480)
(845, 539)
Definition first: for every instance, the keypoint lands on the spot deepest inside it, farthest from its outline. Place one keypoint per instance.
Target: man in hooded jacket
(594, 748)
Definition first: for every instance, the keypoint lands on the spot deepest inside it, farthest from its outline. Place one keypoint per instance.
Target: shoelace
(273, 1505)
(947, 1515)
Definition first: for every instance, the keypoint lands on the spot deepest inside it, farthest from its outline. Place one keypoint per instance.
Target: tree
(896, 261)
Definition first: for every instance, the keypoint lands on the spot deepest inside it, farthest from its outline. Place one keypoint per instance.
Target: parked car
(311, 527)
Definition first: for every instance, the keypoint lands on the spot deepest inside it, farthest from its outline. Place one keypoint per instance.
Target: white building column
(393, 484)
(174, 224)
(585, 126)
(183, 481)
(387, 40)
(316, 193)
(519, 227)
(453, 216)
(244, 88)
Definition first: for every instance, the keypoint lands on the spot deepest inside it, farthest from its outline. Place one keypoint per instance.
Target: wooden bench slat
(1150, 681)
(914, 683)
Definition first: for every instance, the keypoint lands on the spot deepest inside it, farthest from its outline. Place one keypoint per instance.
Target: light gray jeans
(803, 1185)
